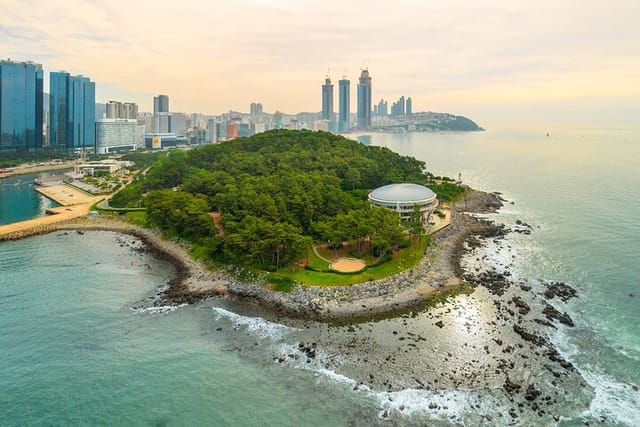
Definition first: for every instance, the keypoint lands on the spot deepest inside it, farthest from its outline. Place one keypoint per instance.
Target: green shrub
(385, 258)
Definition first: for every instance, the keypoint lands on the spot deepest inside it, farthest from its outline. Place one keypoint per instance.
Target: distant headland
(425, 122)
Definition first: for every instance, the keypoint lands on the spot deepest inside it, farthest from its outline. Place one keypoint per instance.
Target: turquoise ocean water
(75, 351)
(19, 201)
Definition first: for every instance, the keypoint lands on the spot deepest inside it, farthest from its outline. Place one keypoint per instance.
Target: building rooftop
(403, 192)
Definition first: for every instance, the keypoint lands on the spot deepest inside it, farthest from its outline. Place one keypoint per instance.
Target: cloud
(215, 56)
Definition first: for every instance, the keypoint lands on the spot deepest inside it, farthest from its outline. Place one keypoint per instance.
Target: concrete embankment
(45, 224)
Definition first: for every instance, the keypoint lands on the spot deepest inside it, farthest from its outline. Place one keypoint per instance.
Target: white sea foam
(443, 405)
(158, 310)
(339, 378)
(614, 400)
(256, 326)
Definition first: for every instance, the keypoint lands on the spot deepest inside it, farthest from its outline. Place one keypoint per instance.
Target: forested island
(425, 122)
(262, 202)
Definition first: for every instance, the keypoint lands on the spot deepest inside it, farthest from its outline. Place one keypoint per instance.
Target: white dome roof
(403, 192)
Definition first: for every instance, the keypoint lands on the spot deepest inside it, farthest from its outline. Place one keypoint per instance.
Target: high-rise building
(113, 110)
(400, 108)
(210, 134)
(409, 107)
(170, 123)
(130, 110)
(327, 99)
(255, 111)
(160, 104)
(344, 101)
(364, 100)
(382, 108)
(120, 110)
(146, 120)
(21, 105)
(72, 109)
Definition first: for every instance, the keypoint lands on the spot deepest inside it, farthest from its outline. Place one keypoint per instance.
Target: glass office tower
(160, 104)
(21, 105)
(327, 100)
(364, 100)
(72, 105)
(345, 105)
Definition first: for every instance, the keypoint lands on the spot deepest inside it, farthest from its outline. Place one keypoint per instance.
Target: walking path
(39, 225)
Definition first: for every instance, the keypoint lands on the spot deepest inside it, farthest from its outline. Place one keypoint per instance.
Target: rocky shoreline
(438, 272)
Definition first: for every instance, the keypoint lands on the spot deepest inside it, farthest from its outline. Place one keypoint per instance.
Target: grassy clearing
(316, 262)
(402, 260)
(136, 217)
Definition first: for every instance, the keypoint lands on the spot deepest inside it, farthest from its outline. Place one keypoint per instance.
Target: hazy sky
(559, 60)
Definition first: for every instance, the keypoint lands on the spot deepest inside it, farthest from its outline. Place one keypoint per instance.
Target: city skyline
(483, 61)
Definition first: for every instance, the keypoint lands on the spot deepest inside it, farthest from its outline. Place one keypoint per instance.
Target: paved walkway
(440, 223)
(67, 196)
(315, 251)
(60, 214)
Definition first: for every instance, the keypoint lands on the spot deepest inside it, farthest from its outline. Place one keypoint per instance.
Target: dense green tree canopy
(276, 192)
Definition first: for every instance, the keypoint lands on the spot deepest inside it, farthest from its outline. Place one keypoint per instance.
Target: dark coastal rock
(495, 282)
(529, 337)
(551, 313)
(544, 322)
(561, 290)
(553, 355)
(523, 307)
(531, 393)
(511, 387)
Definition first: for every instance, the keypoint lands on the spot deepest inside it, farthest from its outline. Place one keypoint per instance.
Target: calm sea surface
(75, 349)
(19, 201)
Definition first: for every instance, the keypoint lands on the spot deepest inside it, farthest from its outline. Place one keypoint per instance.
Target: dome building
(402, 198)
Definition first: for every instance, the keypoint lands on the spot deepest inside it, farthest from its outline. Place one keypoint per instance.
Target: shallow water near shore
(75, 351)
(19, 201)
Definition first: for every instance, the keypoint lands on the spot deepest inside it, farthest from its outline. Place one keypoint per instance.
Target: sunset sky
(570, 61)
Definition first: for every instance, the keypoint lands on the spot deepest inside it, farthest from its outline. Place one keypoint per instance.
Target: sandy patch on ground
(348, 265)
